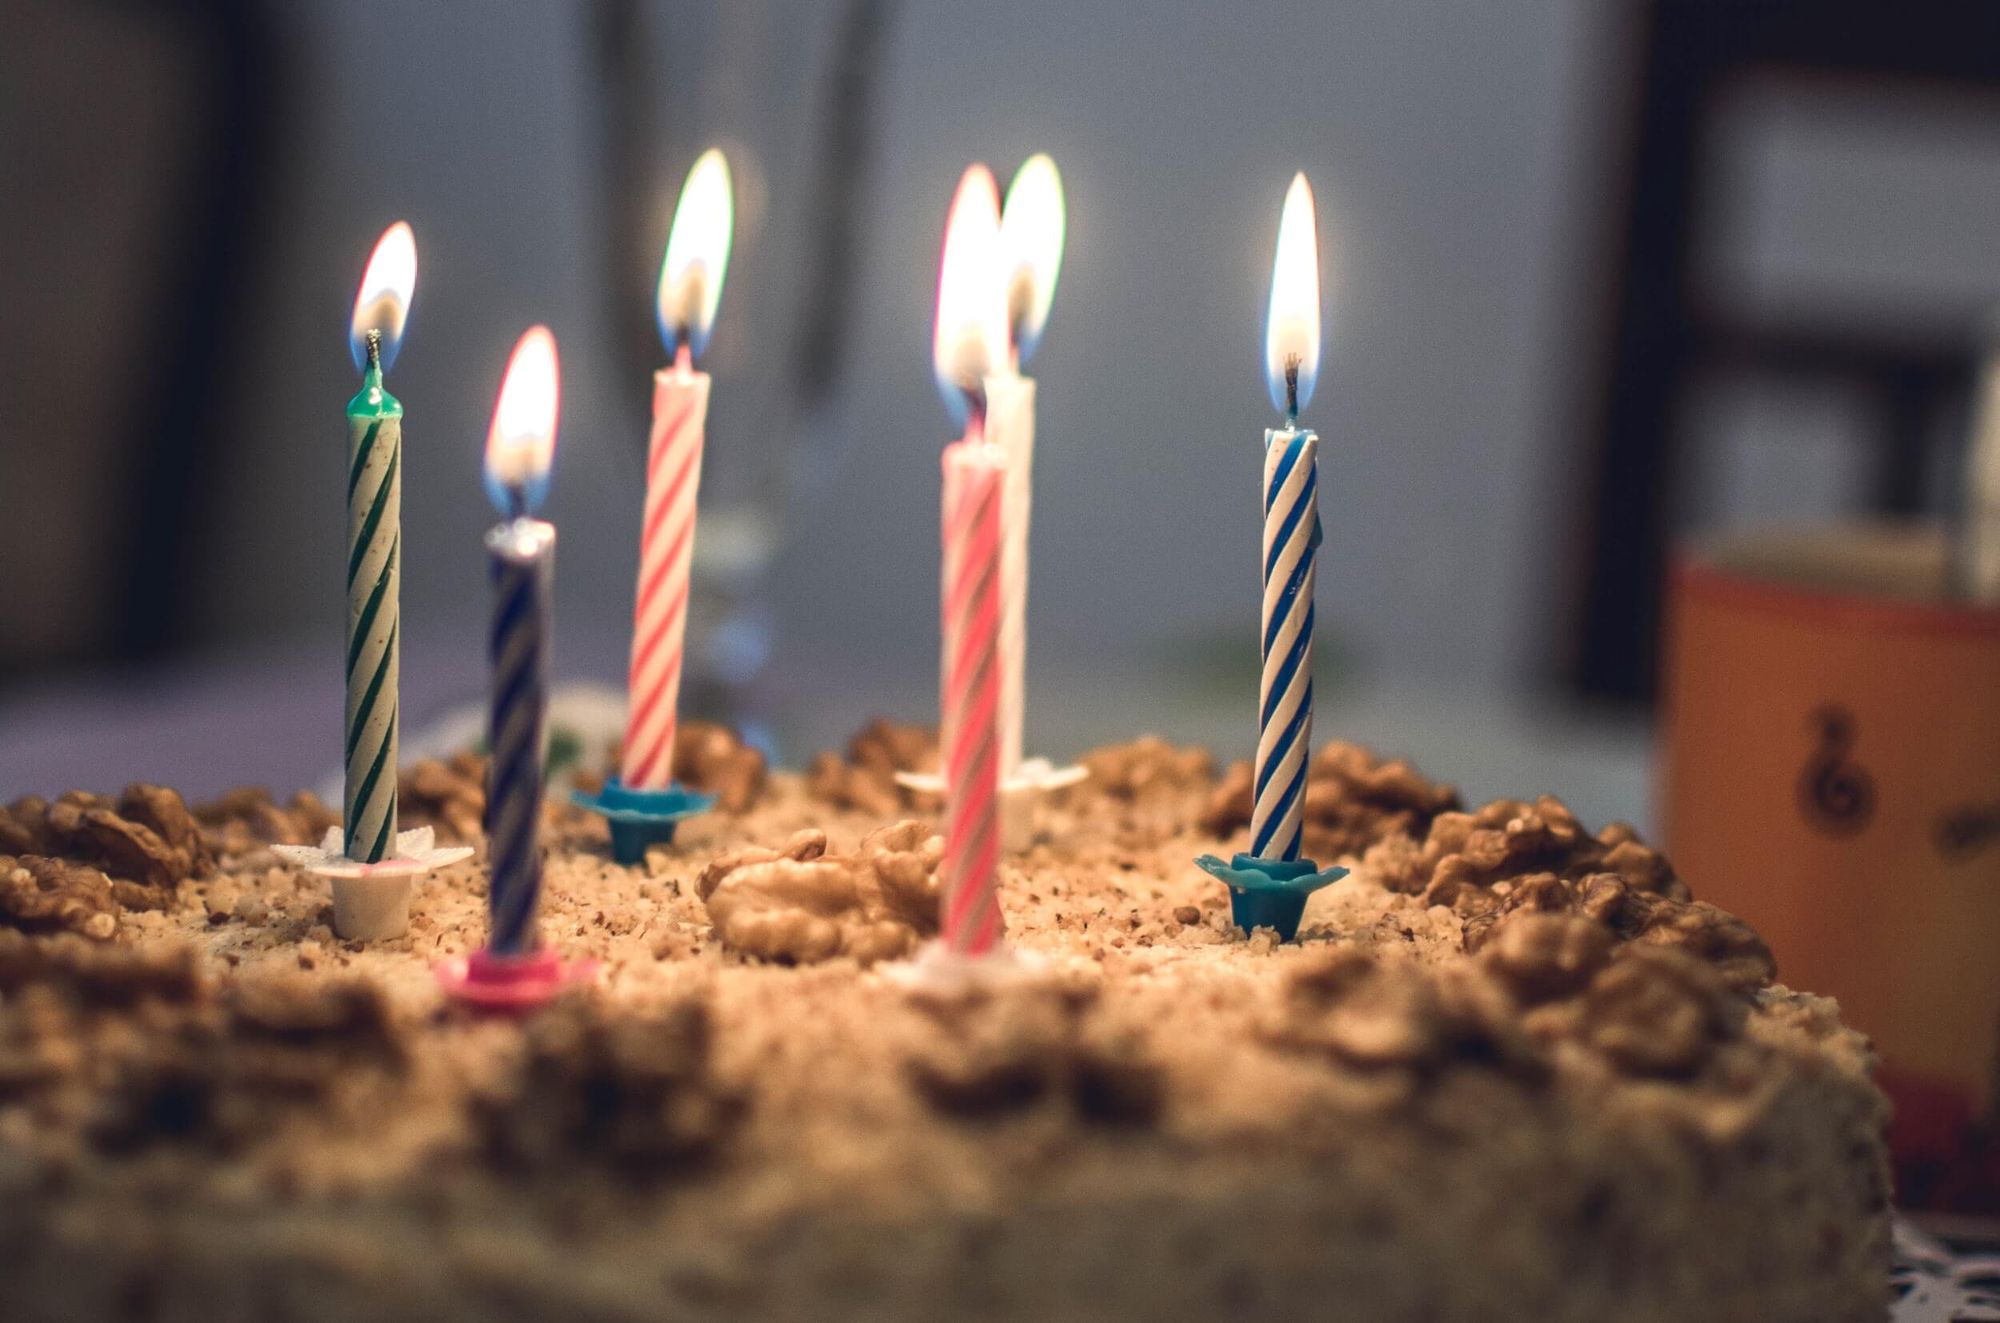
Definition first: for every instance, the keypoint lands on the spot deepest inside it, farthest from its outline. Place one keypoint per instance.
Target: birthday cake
(1509, 1069)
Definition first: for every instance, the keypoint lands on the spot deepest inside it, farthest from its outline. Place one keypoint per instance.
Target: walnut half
(801, 905)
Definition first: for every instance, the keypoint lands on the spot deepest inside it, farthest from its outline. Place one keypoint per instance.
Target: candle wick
(1291, 391)
(684, 353)
(375, 349)
(517, 501)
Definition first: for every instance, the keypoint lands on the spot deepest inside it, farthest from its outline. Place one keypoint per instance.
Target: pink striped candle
(690, 288)
(971, 331)
(666, 551)
(975, 480)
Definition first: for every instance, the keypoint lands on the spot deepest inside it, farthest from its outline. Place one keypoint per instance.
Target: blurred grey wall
(1441, 139)
(1456, 147)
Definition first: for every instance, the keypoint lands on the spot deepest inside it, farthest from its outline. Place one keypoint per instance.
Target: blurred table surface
(272, 717)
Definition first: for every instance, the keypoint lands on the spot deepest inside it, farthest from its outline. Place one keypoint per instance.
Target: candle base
(1269, 893)
(642, 818)
(936, 973)
(510, 985)
(371, 902)
(1021, 796)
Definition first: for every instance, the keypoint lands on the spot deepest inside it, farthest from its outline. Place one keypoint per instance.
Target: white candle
(1031, 246)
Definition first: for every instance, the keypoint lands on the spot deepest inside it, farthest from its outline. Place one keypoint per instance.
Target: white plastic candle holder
(1021, 795)
(371, 902)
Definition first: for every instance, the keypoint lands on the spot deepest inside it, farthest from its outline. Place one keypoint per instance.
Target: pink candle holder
(510, 985)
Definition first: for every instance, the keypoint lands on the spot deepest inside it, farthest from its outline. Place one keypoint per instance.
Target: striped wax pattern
(374, 577)
(521, 556)
(1284, 713)
(974, 486)
(666, 550)
(1010, 424)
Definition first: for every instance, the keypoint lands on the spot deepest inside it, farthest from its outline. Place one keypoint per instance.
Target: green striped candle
(374, 555)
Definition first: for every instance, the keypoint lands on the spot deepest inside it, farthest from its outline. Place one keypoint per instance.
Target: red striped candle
(975, 479)
(690, 288)
(666, 551)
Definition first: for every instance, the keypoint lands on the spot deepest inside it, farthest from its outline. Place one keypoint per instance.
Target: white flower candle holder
(371, 902)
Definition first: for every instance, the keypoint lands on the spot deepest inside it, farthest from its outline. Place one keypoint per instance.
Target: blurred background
(1597, 275)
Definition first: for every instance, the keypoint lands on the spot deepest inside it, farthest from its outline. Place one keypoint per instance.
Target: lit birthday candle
(1268, 886)
(1291, 536)
(520, 551)
(690, 288)
(374, 530)
(1031, 252)
(970, 333)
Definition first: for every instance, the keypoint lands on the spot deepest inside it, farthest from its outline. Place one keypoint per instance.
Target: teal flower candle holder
(639, 818)
(1269, 893)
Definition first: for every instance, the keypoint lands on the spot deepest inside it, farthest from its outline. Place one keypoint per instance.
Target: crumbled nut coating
(1658, 1011)
(1372, 1014)
(633, 1094)
(207, 1100)
(994, 1056)
(1541, 956)
(1146, 766)
(1354, 800)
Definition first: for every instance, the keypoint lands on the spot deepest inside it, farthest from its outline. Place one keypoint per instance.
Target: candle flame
(971, 329)
(521, 445)
(1291, 336)
(1031, 244)
(383, 303)
(697, 255)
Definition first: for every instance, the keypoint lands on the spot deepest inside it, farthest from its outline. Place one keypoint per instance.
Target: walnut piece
(807, 843)
(1622, 913)
(1467, 860)
(801, 905)
(146, 840)
(447, 795)
(247, 819)
(712, 758)
(38, 894)
(865, 778)
(1728, 945)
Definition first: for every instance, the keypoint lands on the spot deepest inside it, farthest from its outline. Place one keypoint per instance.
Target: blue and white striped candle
(1291, 538)
(521, 553)
(1285, 706)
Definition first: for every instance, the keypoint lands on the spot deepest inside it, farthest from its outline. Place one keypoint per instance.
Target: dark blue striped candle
(521, 555)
